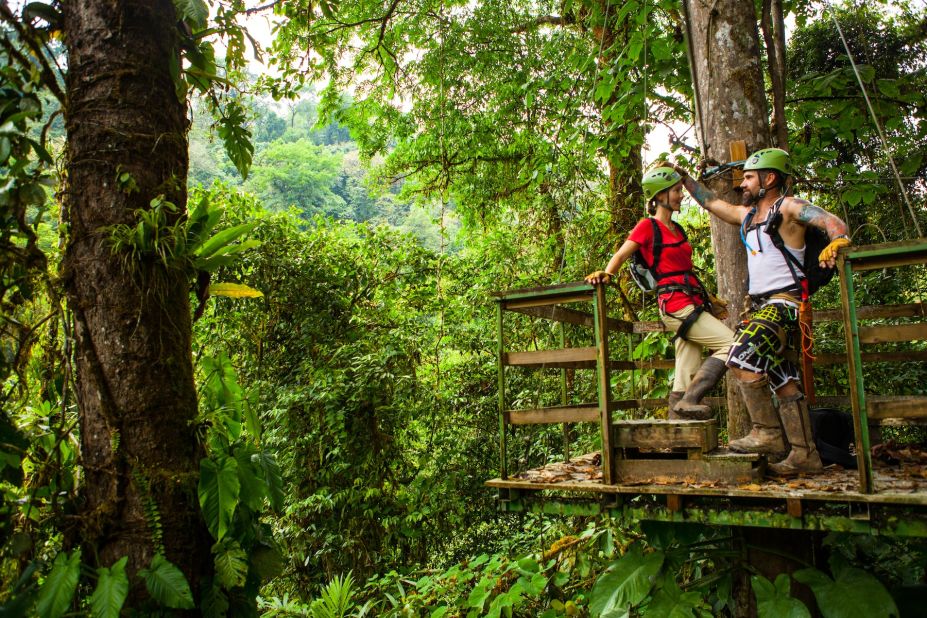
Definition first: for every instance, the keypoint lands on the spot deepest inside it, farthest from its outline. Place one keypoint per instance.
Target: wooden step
(635, 437)
(720, 466)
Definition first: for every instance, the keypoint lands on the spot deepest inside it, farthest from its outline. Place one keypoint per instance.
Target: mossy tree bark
(732, 106)
(135, 386)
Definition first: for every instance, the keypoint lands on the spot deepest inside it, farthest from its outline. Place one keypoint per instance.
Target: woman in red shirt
(681, 297)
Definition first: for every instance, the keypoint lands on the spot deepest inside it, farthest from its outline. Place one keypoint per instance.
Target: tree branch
(263, 7)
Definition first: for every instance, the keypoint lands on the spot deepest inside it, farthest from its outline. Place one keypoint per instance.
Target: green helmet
(659, 179)
(770, 159)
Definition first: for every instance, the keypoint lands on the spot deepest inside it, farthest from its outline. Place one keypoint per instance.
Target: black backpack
(816, 240)
(645, 275)
(833, 436)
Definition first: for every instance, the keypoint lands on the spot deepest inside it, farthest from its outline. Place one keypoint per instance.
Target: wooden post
(738, 150)
(564, 396)
(855, 366)
(500, 351)
(605, 411)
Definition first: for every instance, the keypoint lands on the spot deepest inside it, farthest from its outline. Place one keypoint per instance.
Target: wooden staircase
(655, 451)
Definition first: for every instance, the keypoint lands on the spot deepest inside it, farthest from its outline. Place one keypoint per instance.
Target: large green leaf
(852, 593)
(237, 138)
(111, 591)
(196, 12)
(221, 239)
(201, 221)
(625, 583)
(58, 589)
(776, 601)
(167, 584)
(272, 477)
(231, 563)
(224, 256)
(218, 493)
(251, 477)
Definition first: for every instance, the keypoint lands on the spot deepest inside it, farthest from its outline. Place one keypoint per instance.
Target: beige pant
(707, 332)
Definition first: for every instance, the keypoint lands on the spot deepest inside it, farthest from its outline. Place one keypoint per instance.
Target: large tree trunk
(625, 196)
(135, 386)
(731, 106)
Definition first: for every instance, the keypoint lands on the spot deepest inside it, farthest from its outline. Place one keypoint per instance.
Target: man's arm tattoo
(818, 217)
(699, 192)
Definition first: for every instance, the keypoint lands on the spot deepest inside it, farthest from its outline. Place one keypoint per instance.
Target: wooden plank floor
(903, 484)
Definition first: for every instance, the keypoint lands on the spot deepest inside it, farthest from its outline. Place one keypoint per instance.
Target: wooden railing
(865, 407)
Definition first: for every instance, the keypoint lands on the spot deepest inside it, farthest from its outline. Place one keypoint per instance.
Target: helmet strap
(763, 175)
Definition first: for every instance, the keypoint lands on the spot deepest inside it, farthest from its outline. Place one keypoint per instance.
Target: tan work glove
(718, 307)
(828, 256)
(599, 276)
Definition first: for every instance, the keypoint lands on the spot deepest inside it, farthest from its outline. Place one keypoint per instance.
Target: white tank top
(768, 268)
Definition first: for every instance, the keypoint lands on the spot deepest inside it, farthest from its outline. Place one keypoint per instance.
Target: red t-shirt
(672, 259)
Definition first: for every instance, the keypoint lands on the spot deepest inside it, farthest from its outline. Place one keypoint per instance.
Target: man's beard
(747, 198)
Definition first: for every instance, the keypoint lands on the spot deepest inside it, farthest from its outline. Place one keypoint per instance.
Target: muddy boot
(803, 458)
(671, 401)
(766, 434)
(705, 379)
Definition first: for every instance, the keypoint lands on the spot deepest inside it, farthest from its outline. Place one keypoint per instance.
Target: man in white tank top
(756, 360)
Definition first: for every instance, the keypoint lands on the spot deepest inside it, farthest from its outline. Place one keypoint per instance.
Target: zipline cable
(875, 120)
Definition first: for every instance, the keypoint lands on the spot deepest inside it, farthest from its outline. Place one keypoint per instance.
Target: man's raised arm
(727, 212)
(808, 214)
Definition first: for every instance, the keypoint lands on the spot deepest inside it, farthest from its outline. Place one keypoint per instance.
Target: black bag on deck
(833, 436)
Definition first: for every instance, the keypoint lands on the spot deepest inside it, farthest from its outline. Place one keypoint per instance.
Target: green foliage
(298, 174)
(111, 591)
(775, 600)
(218, 493)
(237, 480)
(852, 592)
(231, 564)
(351, 409)
(196, 12)
(626, 582)
(335, 600)
(236, 137)
(832, 131)
(58, 590)
(25, 181)
(167, 584)
(672, 602)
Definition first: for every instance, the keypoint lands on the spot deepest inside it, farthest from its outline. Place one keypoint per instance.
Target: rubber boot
(803, 458)
(766, 434)
(705, 379)
(671, 401)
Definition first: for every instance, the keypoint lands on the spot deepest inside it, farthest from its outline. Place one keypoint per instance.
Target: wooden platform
(829, 500)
